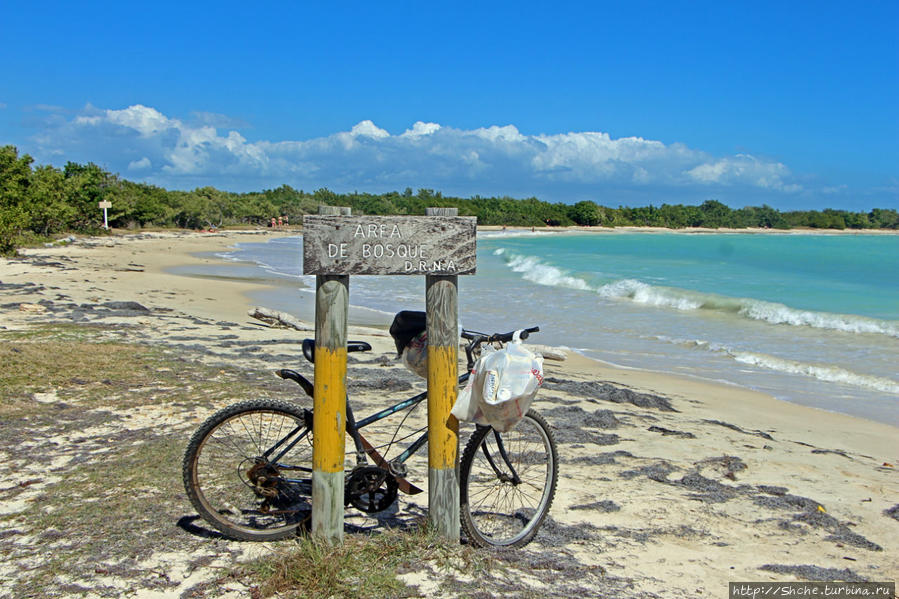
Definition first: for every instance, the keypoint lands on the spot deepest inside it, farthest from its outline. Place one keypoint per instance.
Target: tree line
(41, 202)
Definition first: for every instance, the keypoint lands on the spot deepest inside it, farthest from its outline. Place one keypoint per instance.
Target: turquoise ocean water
(812, 319)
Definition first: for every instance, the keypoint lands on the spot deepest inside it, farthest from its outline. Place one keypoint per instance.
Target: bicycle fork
(503, 476)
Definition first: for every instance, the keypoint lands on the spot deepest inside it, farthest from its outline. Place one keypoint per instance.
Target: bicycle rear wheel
(248, 470)
(507, 482)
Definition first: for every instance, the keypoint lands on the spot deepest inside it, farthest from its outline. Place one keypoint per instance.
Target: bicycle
(247, 469)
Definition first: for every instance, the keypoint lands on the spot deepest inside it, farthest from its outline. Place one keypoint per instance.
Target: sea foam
(822, 372)
(538, 271)
(535, 270)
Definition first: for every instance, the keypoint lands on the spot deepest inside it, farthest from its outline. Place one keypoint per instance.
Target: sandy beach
(669, 486)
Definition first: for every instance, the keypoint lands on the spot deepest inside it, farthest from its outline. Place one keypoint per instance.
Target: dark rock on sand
(20, 289)
(601, 459)
(575, 434)
(669, 432)
(783, 501)
(572, 424)
(815, 573)
(556, 534)
(708, 490)
(127, 306)
(598, 390)
(840, 532)
(658, 472)
(599, 506)
(835, 451)
(811, 516)
(574, 414)
(893, 512)
(734, 427)
(727, 465)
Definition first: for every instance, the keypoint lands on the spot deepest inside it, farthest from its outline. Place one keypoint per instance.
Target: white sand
(663, 535)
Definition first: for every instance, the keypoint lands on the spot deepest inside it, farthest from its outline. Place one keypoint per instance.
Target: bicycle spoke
(232, 484)
(501, 508)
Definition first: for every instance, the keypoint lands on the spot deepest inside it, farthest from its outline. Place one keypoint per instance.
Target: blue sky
(793, 104)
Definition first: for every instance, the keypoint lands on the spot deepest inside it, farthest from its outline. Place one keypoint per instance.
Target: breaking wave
(822, 372)
(537, 271)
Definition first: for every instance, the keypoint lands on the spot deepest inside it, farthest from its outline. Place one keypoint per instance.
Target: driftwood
(279, 319)
(550, 353)
(283, 320)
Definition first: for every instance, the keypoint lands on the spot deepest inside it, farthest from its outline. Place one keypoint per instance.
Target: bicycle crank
(370, 489)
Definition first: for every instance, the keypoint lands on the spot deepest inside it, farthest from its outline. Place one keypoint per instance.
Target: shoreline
(189, 251)
(690, 230)
(775, 382)
(673, 484)
(197, 252)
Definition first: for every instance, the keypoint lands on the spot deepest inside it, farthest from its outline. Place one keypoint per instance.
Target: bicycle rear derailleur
(370, 489)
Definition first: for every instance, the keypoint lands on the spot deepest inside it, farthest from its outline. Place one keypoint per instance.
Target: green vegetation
(88, 364)
(41, 202)
(102, 489)
(102, 503)
(362, 566)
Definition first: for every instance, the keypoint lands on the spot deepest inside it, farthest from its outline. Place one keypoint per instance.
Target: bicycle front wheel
(507, 482)
(248, 470)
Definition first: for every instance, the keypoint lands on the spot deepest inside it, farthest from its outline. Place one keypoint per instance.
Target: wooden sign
(389, 245)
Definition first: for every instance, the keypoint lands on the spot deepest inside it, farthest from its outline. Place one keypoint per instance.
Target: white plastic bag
(502, 386)
(468, 404)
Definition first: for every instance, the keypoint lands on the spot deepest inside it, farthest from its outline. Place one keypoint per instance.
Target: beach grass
(88, 365)
(105, 493)
(364, 566)
(105, 424)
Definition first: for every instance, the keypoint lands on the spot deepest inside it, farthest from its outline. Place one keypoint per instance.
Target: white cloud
(744, 169)
(419, 129)
(140, 165)
(488, 160)
(368, 129)
(146, 121)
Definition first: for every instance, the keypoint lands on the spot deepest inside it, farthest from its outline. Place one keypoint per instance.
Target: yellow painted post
(329, 402)
(335, 245)
(441, 299)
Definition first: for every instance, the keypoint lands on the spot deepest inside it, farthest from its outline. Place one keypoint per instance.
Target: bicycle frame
(255, 483)
(362, 446)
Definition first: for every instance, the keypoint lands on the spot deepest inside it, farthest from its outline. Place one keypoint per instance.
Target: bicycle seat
(351, 346)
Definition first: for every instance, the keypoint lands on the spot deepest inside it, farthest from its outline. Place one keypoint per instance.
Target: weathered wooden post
(329, 400)
(441, 246)
(442, 306)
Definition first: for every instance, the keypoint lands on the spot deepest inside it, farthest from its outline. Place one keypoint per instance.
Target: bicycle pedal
(398, 469)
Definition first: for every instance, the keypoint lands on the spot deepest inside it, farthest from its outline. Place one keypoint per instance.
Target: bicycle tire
(495, 510)
(218, 470)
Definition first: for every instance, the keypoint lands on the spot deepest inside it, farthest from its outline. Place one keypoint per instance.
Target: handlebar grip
(477, 337)
(527, 332)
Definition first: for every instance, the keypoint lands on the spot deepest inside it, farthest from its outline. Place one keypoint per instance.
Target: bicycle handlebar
(502, 337)
(475, 339)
